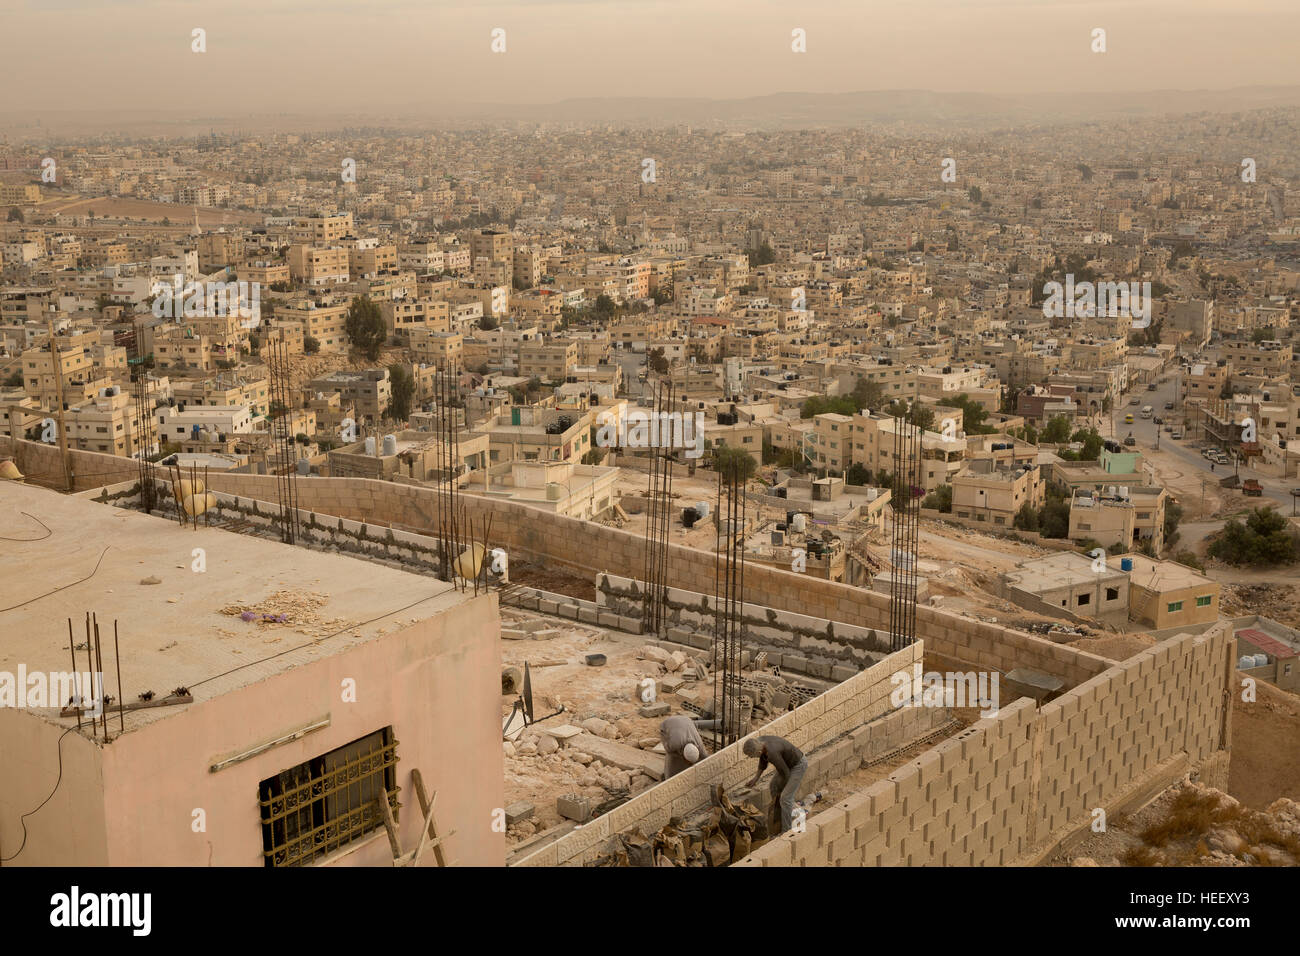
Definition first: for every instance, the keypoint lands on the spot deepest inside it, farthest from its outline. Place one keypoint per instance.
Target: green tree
(857, 475)
(1264, 539)
(1173, 516)
(867, 394)
(762, 256)
(403, 391)
(1054, 519)
(487, 323)
(1092, 442)
(940, 498)
(656, 361)
(737, 462)
(15, 379)
(594, 456)
(821, 405)
(16, 215)
(310, 344)
(1057, 430)
(604, 306)
(972, 414)
(365, 327)
(1026, 518)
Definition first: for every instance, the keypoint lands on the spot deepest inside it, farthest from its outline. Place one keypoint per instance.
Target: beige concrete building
(286, 755)
(1167, 594)
(984, 492)
(1068, 581)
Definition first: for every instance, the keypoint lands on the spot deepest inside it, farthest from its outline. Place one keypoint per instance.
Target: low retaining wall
(1011, 787)
(823, 720)
(814, 646)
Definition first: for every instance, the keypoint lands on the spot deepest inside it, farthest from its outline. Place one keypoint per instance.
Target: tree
(1173, 515)
(972, 414)
(1026, 518)
(733, 462)
(940, 498)
(365, 327)
(310, 344)
(604, 306)
(821, 405)
(974, 194)
(867, 393)
(857, 475)
(403, 391)
(1054, 518)
(594, 456)
(1264, 539)
(16, 215)
(102, 302)
(1057, 430)
(763, 255)
(15, 379)
(487, 323)
(1092, 442)
(656, 361)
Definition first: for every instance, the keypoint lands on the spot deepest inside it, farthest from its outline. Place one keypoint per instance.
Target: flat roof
(186, 630)
(1063, 569)
(1161, 575)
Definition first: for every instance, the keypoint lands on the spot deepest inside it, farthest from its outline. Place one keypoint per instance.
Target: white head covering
(691, 753)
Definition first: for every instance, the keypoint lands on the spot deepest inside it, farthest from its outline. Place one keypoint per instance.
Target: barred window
(320, 806)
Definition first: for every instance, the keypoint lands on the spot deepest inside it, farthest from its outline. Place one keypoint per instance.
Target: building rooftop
(187, 629)
(1160, 575)
(1055, 570)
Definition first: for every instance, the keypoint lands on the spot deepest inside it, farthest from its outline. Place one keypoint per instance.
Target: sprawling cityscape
(888, 479)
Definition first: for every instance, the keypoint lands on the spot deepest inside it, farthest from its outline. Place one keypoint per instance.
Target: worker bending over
(682, 744)
(790, 765)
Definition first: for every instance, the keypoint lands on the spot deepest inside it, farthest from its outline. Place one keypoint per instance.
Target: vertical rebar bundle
(728, 607)
(451, 514)
(285, 461)
(143, 415)
(659, 516)
(906, 505)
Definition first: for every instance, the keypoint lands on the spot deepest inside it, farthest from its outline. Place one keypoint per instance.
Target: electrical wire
(48, 532)
(61, 587)
(22, 820)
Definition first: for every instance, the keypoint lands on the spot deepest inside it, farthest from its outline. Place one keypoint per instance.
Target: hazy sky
(266, 56)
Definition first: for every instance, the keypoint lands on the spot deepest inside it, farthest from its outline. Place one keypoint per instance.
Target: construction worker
(790, 765)
(682, 744)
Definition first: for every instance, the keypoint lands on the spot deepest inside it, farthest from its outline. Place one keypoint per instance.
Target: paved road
(1148, 434)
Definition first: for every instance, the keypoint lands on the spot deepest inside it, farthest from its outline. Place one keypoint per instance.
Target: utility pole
(57, 367)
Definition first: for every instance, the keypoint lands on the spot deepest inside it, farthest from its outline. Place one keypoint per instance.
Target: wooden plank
(619, 755)
(138, 705)
(391, 827)
(427, 805)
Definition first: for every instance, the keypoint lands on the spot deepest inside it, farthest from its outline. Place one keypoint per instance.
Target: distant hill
(776, 111)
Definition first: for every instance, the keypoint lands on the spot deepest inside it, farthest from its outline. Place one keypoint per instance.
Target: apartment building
(322, 230)
(319, 266)
(71, 373)
(109, 424)
(324, 321)
(440, 349)
(404, 316)
(534, 433)
(369, 391)
(986, 493)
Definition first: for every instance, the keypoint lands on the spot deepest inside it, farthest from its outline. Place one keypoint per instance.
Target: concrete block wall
(810, 645)
(823, 720)
(1118, 727)
(587, 549)
(1014, 783)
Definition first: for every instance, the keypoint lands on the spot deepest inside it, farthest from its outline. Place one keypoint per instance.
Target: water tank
(370, 446)
(554, 491)
(702, 508)
(1245, 662)
(390, 445)
(872, 494)
(205, 435)
(689, 517)
(304, 466)
(1123, 491)
(1126, 564)
(799, 523)
(778, 538)
(1261, 660)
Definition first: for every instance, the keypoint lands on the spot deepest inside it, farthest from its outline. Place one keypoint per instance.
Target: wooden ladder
(429, 838)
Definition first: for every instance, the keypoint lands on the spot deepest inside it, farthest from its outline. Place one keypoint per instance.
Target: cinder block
(573, 807)
(842, 672)
(518, 812)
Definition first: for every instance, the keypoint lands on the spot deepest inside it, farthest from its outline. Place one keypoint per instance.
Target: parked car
(1178, 433)
(1134, 401)
(1159, 420)
(1151, 387)
(1169, 405)
(1169, 428)
(1130, 440)
(1128, 419)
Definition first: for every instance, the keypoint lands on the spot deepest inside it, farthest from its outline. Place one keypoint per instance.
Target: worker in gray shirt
(790, 765)
(682, 744)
